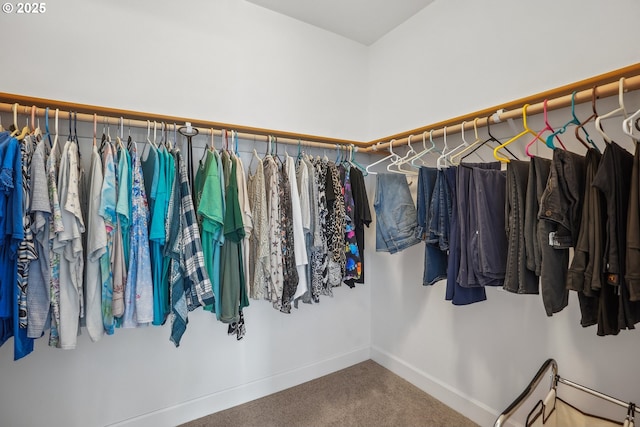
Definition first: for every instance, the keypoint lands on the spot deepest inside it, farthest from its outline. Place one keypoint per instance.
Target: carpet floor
(364, 395)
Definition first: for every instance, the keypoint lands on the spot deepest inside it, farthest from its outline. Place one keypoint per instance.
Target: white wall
(459, 56)
(224, 60)
(454, 57)
(255, 67)
(227, 61)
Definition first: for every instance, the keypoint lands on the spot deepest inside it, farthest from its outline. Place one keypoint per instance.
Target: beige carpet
(365, 394)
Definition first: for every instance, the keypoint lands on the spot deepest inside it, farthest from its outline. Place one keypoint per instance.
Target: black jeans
(584, 275)
(518, 278)
(612, 179)
(560, 214)
(537, 182)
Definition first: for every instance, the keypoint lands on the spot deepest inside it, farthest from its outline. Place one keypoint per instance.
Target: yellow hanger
(524, 132)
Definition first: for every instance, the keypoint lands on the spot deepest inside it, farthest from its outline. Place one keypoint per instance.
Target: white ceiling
(364, 21)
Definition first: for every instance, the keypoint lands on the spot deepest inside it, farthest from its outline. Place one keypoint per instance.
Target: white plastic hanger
(457, 157)
(459, 148)
(617, 111)
(384, 159)
(627, 125)
(442, 160)
(406, 158)
(396, 162)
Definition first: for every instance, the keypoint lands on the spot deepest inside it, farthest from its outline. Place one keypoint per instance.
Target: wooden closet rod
(112, 116)
(606, 85)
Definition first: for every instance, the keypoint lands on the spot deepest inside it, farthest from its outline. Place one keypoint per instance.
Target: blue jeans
(458, 295)
(396, 216)
(470, 273)
(432, 211)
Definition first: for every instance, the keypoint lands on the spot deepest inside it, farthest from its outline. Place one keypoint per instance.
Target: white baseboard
(197, 408)
(455, 399)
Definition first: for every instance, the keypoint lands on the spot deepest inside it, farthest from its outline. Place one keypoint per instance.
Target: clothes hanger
(354, 150)
(547, 127)
(574, 121)
(407, 157)
(54, 146)
(16, 129)
(443, 159)
(491, 138)
(95, 129)
(46, 126)
(591, 117)
(510, 140)
(457, 158)
(24, 132)
(394, 163)
(425, 150)
(627, 125)
(617, 111)
(189, 132)
(35, 123)
(460, 147)
(377, 162)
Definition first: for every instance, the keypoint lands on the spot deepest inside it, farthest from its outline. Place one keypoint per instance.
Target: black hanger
(189, 132)
(491, 138)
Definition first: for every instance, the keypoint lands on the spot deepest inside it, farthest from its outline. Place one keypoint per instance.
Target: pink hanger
(547, 127)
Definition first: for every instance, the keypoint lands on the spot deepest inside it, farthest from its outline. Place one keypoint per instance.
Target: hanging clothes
(474, 270)
(353, 265)
(112, 304)
(429, 192)
(38, 298)
(361, 217)
(518, 278)
(299, 240)
(616, 311)
(124, 198)
(232, 283)
(587, 257)
(320, 252)
(457, 294)
(289, 271)
(247, 219)
(210, 209)
(560, 212)
(96, 249)
(154, 176)
(56, 227)
(308, 207)
(189, 283)
(274, 293)
(335, 228)
(12, 226)
(26, 251)
(259, 239)
(138, 302)
(68, 244)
